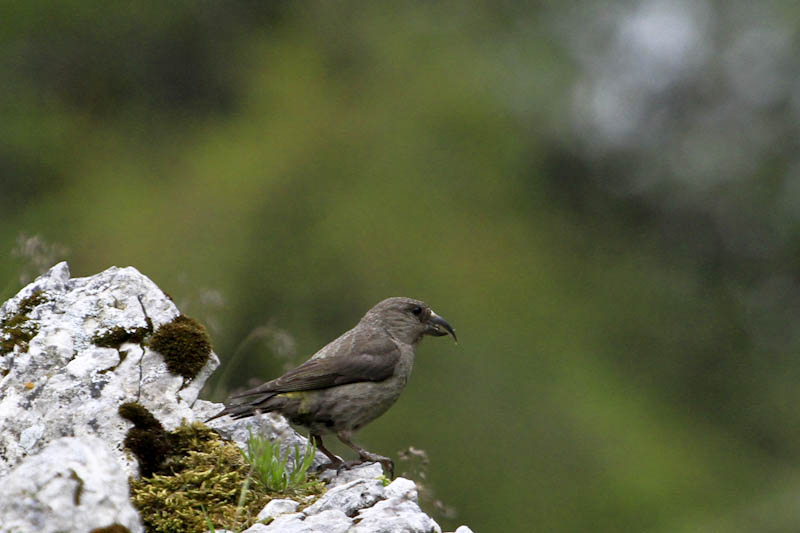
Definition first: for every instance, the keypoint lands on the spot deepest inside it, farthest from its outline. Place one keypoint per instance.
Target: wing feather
(375, 360)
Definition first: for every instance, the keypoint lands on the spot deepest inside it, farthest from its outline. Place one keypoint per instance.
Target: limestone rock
(358, 503)
(350, 497)
(398, 512)
(276, 508)
(395, 514)
(363, 471)
(330, 521)
(60, 383)
(73, 484)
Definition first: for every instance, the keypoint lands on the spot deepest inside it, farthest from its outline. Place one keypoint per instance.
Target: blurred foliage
(602, 197)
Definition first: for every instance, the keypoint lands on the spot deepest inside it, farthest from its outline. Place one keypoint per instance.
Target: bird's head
(408, 320)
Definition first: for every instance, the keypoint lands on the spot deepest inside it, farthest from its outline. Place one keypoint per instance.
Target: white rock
(286, 520)
(331, 521)
(276, 508)
(91, 360)
(64, 385)
(463, 529)
(403, 489)
(349, 498)
(256, 528)
(389, 516)
(30, 436)
(203, 409)
(74, 484)
(364, 471)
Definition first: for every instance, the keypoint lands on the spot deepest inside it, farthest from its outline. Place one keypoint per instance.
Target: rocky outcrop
(84, 360)
(72, 351)
(72, 484)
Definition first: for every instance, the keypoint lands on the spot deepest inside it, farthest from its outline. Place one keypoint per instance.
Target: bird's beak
(436, 324)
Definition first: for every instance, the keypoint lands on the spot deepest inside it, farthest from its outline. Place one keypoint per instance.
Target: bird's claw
(349, 464)
(333, 465)
(388, 464)
(385, 462)
(339, 466)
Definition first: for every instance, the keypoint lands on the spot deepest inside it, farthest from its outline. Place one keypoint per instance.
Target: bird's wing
(374, 360)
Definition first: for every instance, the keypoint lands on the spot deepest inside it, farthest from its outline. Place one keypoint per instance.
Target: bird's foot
(387, 463)
(333, 465)
(348, 465)
(343, 465)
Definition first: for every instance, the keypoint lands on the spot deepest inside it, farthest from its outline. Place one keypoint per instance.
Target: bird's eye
(416, 310)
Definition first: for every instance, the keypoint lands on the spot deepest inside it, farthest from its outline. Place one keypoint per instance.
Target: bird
(351, 381)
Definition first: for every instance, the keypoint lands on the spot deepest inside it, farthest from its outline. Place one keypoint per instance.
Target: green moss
(36, 298)
(201, 478)
(16, 329)
(185, 345)
(147, 440)
(139, 415)
(210, 478)
(193, 476)
(117, 336)
(76, 497)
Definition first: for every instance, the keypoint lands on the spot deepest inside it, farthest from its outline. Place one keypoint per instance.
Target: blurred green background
(602, 197)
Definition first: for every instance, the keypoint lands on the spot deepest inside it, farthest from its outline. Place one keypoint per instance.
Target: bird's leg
(336, 462)
(387, 463)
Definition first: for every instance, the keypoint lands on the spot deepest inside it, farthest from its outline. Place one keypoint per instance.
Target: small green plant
(271, 469)
(209, 523)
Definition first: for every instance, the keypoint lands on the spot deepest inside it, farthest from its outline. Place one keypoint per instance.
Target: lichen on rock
(64, 384)
(118, 335)
(16, 329)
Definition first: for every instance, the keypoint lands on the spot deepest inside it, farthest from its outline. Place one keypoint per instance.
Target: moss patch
(185, 345)
(117, 336)
(148, 440)
(191, 475)
(209, 479)
(16, 329)
(200, 478)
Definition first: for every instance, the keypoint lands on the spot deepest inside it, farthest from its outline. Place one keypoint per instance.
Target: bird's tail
(246, 409)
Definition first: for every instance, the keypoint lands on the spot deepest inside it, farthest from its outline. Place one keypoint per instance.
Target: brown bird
(352, 380)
